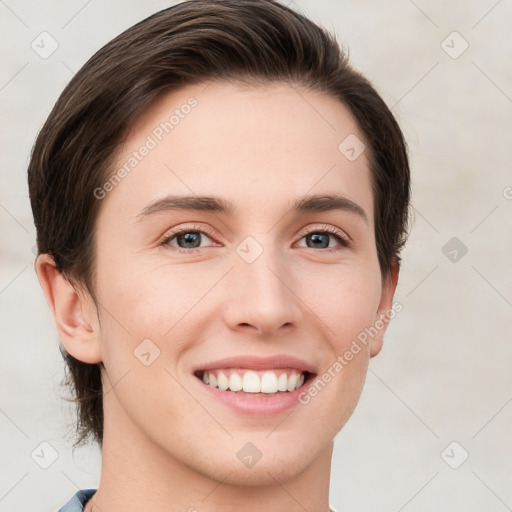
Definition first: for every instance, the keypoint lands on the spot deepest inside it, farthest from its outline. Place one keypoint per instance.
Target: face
(254, 287)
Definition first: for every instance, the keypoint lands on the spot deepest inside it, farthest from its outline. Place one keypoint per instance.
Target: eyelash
(340, 237)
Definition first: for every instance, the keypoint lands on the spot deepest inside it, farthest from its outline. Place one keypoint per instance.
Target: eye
(320, 238)
(186, 239)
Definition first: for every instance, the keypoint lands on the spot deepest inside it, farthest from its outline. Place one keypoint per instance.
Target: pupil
(190, 238)
(316, 237)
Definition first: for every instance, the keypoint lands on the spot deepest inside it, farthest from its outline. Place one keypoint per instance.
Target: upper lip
(258, 363)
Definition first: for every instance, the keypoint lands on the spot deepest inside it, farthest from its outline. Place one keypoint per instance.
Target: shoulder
(78, 500)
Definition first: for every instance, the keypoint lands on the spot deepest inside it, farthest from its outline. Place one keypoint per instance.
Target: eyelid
(184, 229)
(329, 229)
(346, 239)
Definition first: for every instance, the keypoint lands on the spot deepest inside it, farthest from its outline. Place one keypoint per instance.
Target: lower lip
(256, 405)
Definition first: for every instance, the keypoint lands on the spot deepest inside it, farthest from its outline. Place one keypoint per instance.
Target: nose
(260, 296)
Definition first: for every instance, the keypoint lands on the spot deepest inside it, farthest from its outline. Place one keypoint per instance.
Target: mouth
(255, 383)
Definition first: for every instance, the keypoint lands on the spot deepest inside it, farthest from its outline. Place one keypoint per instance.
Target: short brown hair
(250, 41)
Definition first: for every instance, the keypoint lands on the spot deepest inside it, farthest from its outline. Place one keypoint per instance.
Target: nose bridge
(264, 295)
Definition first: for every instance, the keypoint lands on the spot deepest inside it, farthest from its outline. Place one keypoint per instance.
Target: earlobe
(73, 313)
(385, 310)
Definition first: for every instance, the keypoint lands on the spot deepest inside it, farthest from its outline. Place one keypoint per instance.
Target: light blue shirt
(77, 502)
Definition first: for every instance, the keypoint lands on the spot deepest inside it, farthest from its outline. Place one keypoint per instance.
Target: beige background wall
(444, 375)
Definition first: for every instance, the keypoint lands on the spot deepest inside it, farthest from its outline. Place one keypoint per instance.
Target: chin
(271, 461)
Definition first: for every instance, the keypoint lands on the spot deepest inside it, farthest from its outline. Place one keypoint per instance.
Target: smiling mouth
(255, 383)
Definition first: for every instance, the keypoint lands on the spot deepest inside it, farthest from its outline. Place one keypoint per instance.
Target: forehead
(273, 141)
(286, 111)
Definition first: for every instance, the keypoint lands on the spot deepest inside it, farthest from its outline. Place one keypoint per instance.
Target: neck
(139, 475)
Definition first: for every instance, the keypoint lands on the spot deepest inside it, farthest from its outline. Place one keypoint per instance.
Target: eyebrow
(312, 203)
(327, 202)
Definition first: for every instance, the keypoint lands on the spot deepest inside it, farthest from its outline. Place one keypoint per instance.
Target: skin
(262, 147)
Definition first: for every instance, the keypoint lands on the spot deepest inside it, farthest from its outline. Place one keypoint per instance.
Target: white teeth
(282, 382)
(292, 381)
(235, 382)
(222, 381)
(249, 381)
(269, 383)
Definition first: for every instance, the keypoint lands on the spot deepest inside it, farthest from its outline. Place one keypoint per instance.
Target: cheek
(148, 301)
(346, 300)
(347, 305)
(143, 317)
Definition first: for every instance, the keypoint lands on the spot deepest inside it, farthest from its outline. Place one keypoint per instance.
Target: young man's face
(247, 283)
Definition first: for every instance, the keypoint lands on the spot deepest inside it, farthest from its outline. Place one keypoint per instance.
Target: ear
(386, 309)
(75, 315)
